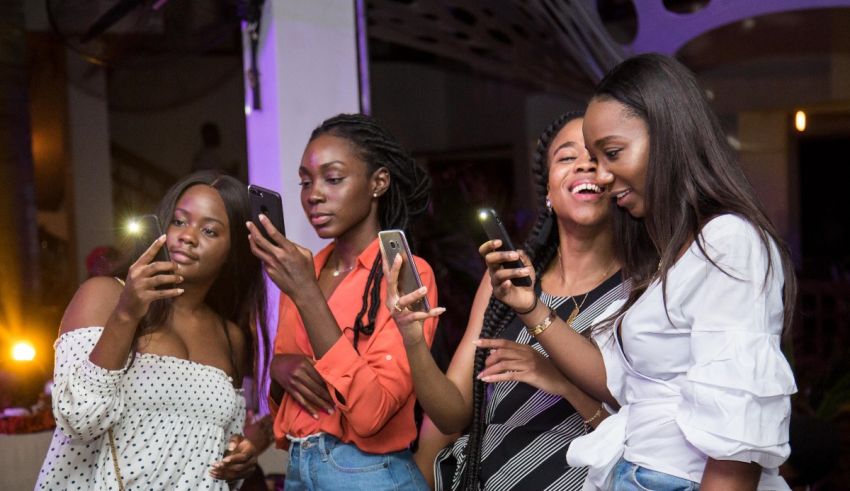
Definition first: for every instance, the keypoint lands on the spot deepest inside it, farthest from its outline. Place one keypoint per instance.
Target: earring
(375, 194)
(548, 204)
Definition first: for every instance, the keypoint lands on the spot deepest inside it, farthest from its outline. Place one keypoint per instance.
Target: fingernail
(330, 410)
(248, 225)
(162, 237)
(424, 289)
(315, 416)
(180, 291)
(263, 218)
(231, 447)
(439, 310)
(476, 342)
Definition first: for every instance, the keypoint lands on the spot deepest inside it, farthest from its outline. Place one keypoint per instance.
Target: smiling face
(574, 188)
(337, 188)
(198, 237)
(619, 142)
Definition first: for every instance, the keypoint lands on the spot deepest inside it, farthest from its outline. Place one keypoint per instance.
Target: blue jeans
(323, 463)
(631, 477)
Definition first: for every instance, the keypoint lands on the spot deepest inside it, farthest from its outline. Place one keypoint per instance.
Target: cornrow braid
(406, 198)
(541, 247)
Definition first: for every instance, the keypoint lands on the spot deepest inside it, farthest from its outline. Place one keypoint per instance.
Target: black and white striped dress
(528, 430)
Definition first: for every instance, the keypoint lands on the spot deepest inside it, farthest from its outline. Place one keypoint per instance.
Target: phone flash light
(134, 227)
(482, 215)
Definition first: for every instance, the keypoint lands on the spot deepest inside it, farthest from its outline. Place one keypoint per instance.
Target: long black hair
(542, 248)
(238, 293)
(405, 199)
(692, 174)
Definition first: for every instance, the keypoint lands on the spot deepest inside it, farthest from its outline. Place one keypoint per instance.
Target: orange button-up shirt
(376, 409)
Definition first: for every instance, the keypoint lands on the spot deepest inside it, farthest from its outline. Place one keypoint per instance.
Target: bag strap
(115, 460)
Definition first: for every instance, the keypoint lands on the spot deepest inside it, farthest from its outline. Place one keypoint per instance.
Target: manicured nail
(439, 310)
(476, 342)
(315, 416)
(263, 218)
(424, 289)
(180, 291)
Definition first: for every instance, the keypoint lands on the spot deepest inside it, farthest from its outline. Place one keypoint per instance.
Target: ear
(380, 182)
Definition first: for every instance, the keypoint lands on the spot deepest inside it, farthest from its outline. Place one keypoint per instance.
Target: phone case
(393, 243)
(494, 229)
(268, 203)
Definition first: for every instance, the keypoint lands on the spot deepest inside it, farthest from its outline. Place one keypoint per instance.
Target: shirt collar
(364, 260)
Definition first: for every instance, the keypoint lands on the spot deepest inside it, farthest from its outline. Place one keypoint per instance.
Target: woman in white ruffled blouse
(147, 383)
(693, 358)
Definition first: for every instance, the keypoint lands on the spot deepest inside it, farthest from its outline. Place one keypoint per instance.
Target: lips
(319, 219)
(586, 190)
(620, 195)
(182, 256)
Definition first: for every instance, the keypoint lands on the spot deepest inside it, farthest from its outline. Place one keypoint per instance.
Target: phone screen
(268, 203)
(394, 243)
(494, 229)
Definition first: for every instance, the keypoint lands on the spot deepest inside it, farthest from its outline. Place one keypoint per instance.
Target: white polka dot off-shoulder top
(171, 419)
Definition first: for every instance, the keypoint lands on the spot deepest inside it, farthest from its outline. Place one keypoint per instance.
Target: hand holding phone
(268, 203)
(147, 230)
(495, 230)
(394, 243)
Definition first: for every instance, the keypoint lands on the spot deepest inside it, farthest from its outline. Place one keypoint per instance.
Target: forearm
(573, 354)
(322, 328)
(730, 475)
(439, 396)
(113, 347)
(589, 408)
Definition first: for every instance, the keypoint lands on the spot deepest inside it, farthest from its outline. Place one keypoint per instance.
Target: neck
(351, 244)
(193, 296)
(585, 256)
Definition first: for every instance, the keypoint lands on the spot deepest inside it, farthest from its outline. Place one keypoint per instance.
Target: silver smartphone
(494, 229)
(393, 243)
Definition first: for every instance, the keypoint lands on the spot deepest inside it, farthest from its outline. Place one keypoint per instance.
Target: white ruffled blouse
(171, 418)
(707, 377)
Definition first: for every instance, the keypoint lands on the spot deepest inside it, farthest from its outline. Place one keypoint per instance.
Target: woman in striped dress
(519, 411)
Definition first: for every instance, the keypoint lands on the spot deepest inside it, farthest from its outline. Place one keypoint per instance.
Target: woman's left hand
(239, 461)
(409, 322)
(509, 360)
(288, 264)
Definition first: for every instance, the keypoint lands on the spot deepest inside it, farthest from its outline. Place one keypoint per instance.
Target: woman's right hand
(519, 298)
(299, 378)
(143, 278)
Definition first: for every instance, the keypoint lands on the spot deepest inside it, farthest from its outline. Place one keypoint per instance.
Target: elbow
(448, 424)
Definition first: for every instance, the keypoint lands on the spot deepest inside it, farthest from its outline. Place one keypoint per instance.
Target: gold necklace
(577, 307)
(337, 271)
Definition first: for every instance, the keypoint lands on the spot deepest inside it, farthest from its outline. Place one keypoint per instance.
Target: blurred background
(105, 103)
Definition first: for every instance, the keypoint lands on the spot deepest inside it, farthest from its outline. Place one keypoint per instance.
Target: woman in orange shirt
(347, 407)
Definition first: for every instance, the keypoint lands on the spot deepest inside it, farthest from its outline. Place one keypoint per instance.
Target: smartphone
(146, 230)
(494, 229)
(268, 203)
(393, 243)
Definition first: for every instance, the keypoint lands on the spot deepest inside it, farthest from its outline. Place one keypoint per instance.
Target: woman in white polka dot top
(155, 363)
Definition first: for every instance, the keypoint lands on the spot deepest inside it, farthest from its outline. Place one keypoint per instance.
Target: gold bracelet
(543, 325)
(593, 418)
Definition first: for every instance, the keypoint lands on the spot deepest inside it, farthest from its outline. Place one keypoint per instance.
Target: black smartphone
(494, 229)
(146, 229)
(393, 243)
(268, 203)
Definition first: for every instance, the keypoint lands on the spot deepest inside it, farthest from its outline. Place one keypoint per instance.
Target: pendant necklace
(577, 306)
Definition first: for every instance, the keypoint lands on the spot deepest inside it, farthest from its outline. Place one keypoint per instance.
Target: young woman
(522, 426)
(149, 367)
(347, 412)
(695, 360)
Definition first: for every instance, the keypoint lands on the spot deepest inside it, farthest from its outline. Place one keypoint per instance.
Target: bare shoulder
(92, 304)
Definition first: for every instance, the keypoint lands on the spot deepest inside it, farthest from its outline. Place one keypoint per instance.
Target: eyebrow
(565, 145)
(208, 219)
(605, 139)
(323, 166)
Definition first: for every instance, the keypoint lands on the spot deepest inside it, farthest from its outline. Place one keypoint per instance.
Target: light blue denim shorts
(323, 463)
(631, 477)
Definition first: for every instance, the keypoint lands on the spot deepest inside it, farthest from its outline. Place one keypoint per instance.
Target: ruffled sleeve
(735, 403)
(87, 398)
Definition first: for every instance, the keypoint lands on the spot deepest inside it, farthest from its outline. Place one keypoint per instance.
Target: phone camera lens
(394, 244)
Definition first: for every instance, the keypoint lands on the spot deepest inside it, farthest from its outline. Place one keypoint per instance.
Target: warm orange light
(800, 121)
(23, 351)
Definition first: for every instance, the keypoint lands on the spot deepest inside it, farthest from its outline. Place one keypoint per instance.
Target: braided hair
(405, 199)
(541, 247)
